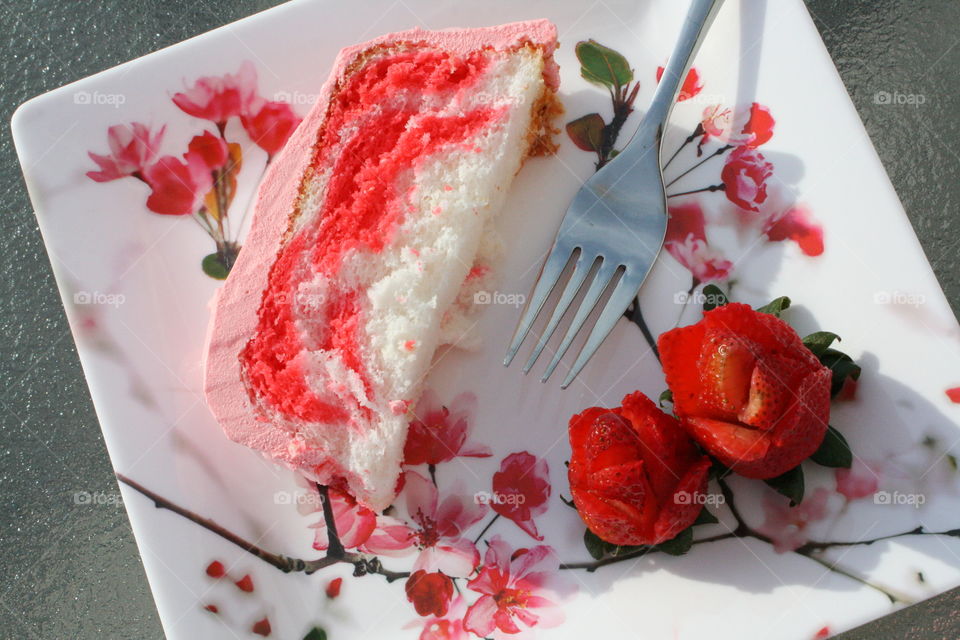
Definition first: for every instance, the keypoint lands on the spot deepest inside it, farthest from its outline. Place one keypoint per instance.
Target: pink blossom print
(219, 98)
(716, 122)
(430, 593)
(692, 84)
(519, 591)
(758, 128)
(178, 188)
(438, 433)
(445, 627)
(786, 525)
(132, 149)
(269, 124)
(861, 480)
(520, 490)
(745, 178)
(390, 537)
(686, 241)
(440, 525)
(750, 127)
(797, 224)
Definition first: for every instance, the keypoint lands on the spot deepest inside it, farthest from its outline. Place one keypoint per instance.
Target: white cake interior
(418, 290)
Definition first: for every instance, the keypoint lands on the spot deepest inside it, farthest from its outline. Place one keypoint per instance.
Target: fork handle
(695, 26)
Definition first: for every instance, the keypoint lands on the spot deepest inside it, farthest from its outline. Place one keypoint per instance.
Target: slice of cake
(366, 233)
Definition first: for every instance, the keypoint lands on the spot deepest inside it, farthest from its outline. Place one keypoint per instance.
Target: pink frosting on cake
(235, 306)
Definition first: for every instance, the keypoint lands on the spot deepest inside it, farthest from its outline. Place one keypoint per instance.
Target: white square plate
(137, 303)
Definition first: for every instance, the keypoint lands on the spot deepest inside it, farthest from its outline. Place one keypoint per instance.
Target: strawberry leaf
(602, 65)
(775, 307)
(598, 548)
(587, 132)
(718, 470)
(789, 484)
(316, 634)
(820, 341)
(842, 366)
(833, 451)
(665, 396)
(713, 297)
(679, 545)
(705, 517)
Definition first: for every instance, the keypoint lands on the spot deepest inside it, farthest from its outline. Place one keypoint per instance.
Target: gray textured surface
(71, 572)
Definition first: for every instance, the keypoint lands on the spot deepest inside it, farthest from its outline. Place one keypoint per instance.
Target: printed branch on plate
(812, 549)
(447, 568)
(363, 564)
(520, 492)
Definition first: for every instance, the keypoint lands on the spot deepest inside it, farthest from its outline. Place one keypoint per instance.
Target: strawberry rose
(747, 389)
(635, 476)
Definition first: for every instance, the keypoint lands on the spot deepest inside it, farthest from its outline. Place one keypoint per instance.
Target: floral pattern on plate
(776, 211)
(202, 183)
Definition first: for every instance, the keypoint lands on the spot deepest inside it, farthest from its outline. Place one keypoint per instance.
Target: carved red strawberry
(747, 389)
(635, 475)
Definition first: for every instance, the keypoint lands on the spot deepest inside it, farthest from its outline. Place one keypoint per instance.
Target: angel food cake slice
(366, 229)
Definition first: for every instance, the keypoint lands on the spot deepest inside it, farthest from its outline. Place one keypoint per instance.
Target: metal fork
(615, 224)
